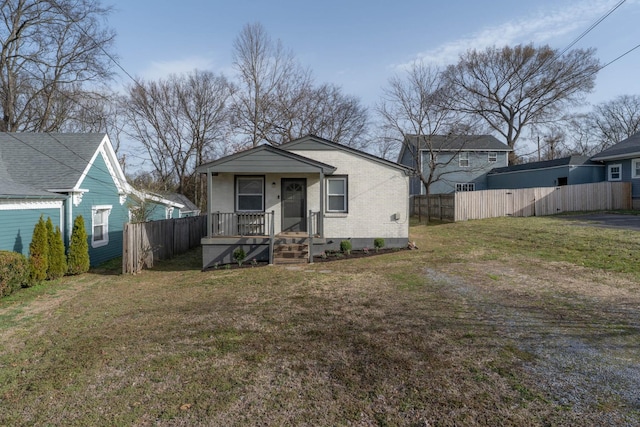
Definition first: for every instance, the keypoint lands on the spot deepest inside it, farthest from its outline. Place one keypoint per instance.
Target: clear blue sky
(358, 45)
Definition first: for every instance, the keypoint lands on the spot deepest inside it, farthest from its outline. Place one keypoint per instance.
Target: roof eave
(623, 156)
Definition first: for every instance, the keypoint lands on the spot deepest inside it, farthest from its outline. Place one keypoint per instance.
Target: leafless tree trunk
(48, 50)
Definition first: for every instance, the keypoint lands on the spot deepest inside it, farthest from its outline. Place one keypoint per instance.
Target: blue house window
(100, 225)
(467, 186)
(635, 168)
(493, 157)
(615, 172)
(463, 159)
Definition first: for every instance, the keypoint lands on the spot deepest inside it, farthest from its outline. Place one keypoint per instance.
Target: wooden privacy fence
(434, 206)
(146, 242)
(542, 201)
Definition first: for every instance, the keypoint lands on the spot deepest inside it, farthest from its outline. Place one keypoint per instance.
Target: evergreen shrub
(57, 257)
(14, 272)
(78, 256)
(39, 253)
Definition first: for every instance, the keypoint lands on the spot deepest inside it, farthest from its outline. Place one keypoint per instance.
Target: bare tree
(278, 99)
(181, 122)
(323, 111)
(264, 66)
(48, 50)
(415, 111)
(511, 88)
(616, 120)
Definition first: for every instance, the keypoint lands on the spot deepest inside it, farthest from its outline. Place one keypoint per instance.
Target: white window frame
(492, 156)
(238, 194)
(610, 172)
(463, 157)
(345, 195)
(465, 186)
(635, 166)
(96, 243)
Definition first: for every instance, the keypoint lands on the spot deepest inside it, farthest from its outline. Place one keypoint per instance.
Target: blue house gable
(62, 176)
(456, 162)
(622, 162)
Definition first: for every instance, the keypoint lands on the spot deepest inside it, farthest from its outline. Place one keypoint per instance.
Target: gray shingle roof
(12, 189)
(626, 148)
(564, 161)
(182, 199)
(43, 161)
(458, 142)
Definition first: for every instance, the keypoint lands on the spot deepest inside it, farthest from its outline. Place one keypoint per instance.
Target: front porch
(254, 232)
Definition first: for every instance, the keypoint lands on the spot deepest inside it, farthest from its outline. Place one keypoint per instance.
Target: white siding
(375, 191)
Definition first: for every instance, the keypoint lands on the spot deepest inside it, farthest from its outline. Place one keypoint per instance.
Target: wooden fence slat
(145, 243)
(540, 201)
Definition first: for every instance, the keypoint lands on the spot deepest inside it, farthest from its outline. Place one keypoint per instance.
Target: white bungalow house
(289, 203)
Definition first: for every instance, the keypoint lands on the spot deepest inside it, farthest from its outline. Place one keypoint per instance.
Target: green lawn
(459, 332)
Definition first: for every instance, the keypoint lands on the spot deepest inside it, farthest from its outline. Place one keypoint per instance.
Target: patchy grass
(450, 334)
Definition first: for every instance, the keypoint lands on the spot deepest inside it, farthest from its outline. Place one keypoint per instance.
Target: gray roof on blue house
(189, 206)
(44, 161)
(546, 164)
(624, 149)
(457, 142)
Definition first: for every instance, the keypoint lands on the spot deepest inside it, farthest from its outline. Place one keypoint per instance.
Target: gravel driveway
(586, 359)
(630, 222)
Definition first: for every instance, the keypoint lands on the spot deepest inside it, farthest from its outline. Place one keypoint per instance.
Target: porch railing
(315, 230)
(241, 224)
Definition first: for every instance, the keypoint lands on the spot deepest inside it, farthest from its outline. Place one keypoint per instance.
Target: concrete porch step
(279, 261)
(291, 251)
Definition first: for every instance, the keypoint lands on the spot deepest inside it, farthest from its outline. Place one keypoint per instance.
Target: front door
(294, 204)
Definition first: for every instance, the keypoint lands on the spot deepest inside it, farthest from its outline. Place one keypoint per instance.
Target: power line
(620, 57)
(591, 27)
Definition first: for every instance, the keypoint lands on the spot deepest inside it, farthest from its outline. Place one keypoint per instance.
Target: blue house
(569, 170)
(457, 162)
(622, 162)
(62, 176)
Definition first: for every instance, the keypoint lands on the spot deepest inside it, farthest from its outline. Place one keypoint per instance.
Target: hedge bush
(14, 272)
(239, 255)
(345, 246)
(57, 257)
(39, 253)
(78, 257)
(378, 243)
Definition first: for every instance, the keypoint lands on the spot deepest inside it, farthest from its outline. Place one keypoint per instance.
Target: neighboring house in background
(62, 176)
(461, 162)
(549, 173)
(189, 208)
(622, 162)
(269, 200)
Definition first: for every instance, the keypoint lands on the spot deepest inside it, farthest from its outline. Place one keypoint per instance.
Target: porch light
(273, 184)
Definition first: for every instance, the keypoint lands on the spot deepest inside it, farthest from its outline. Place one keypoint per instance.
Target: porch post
(310, 221)
(209, 203)
(272, 235)
(321, 213)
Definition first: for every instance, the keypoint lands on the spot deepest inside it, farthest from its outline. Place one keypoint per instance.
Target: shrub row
(47, 260)
(345, 245)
